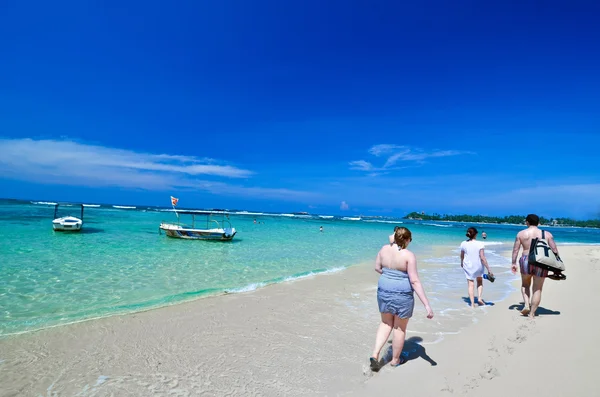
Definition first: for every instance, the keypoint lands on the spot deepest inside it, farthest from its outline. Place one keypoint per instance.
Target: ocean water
(120, 262)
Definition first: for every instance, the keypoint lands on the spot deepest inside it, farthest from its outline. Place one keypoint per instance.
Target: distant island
(514, 219)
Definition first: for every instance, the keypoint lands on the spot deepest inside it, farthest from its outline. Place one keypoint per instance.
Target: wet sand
(300, 338)
(310, 337)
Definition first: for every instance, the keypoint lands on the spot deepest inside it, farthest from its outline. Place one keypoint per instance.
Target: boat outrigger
(67, 223)
(214, 230)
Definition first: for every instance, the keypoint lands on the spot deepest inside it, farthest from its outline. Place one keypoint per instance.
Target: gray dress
(395, 293)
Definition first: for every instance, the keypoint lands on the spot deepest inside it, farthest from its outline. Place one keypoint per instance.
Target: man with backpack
(530, 272)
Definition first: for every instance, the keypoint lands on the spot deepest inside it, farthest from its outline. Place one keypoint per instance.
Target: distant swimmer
(255, 221)
(483, 235)
(392, 236)
(321, 229)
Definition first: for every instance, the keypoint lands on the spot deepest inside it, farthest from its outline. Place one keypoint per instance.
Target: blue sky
(328, 107)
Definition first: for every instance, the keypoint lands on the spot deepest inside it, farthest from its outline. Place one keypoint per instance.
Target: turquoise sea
(120, 263)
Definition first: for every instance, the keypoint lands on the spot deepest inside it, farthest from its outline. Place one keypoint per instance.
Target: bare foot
(400, 361)
(472, 306)
(481, 302)
(525, 310)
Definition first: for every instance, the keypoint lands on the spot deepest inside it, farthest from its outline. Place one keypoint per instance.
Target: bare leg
(471, 292)
(383, 333)
(536, 298)
(525, 290)
(480, 291)
(399, 336)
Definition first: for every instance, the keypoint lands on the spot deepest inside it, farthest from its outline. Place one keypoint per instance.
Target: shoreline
(192, 297)
(310, 336)
(287, 321)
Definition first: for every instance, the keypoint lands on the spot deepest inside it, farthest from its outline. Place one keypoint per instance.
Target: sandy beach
(313, 337)
(508, 354)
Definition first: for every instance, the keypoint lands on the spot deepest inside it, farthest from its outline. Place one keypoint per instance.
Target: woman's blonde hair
(402, 236)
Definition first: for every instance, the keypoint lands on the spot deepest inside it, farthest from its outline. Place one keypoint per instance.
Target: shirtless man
(529, 272)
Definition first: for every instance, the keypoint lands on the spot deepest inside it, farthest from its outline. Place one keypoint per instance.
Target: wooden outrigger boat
(214, 230)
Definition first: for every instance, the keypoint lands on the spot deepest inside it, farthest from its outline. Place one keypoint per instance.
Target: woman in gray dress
(399, 278)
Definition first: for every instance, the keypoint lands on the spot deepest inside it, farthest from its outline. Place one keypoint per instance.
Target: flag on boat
(174, 201)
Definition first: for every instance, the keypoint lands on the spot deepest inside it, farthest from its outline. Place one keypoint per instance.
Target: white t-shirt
(472, 263)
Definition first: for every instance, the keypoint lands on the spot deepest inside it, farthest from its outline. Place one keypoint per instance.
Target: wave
(303, 216)
(124, 207)
(91, 205)
(347, 218)
(249, 213)
(43, 203)
(436, 224)
(326, 216)
(379, 221)
(247, 288)
(295, 277)
(576, 243)
(288, 215)
(486, 243)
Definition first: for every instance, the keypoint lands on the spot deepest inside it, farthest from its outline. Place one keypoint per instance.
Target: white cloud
(383, 148)
(221, 188)
(39, 155)
(76, 164)
(398, 153)
(361, 165)
(344, 206)
(571, 199)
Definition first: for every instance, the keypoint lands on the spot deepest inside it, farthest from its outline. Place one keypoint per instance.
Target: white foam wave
(379, 221)
(91, 205)
(347, 218)
(490, 243)
(255, 286)
(326, 216)
(443, 260)
(124, 207)
(247, 288)
(311, 274)
(43, 203)
(592, 244)
(436, 224)
(249, 213)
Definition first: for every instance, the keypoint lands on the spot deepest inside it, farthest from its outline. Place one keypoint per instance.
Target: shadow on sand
(468, 301)
(541, 311)
(411, 351)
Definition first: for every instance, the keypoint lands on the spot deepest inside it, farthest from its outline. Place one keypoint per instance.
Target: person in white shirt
(472, 261)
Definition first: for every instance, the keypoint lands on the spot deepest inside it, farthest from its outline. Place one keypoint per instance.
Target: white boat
(214, 229)
(67, 223)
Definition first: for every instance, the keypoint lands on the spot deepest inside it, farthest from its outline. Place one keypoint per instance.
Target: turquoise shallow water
(120, 263)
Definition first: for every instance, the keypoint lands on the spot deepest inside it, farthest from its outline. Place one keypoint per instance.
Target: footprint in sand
(489, 372)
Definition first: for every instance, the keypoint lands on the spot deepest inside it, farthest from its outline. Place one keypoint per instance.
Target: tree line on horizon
(515, 219)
